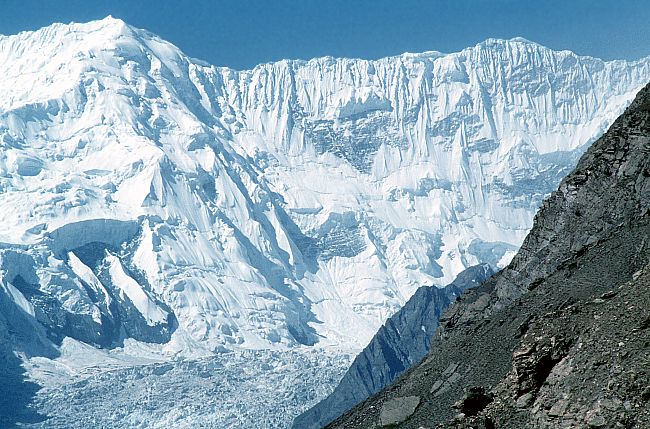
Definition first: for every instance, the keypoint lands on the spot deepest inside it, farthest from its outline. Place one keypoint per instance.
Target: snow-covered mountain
(148, 195)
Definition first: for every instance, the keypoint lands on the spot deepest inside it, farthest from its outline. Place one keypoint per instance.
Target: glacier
(247, 389)
(153, 204)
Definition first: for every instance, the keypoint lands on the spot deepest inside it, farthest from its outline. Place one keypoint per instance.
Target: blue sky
(243, 33)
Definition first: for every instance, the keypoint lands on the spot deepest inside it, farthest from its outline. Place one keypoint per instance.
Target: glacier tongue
(276, 207)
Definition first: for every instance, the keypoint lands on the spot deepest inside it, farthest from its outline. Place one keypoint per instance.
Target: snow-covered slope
(146, 194)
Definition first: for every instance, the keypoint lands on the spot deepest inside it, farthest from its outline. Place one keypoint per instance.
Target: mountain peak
(58, 55)
(113, 26)
(109, 26)
(111, 20)
(516, 43)
(500, 41)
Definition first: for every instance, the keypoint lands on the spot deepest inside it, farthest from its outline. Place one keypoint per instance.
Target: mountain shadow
(16, 392)
(19, 332)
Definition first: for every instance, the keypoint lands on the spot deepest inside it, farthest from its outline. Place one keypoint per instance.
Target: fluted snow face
(298, 203)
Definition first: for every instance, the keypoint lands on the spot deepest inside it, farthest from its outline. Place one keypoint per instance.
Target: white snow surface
(296, 204)
(129, 287)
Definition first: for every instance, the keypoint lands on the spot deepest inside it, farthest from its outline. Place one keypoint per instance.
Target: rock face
(278, 206)
(402, 341)
(560, 337)
(397, 410)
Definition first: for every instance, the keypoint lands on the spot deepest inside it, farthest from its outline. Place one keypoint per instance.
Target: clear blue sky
(242, 33)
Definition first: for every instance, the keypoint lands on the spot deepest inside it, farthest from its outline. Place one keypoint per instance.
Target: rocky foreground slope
(560, 338)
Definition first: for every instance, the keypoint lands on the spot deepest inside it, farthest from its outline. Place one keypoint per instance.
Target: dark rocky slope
(561, 337)
(403, 341)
